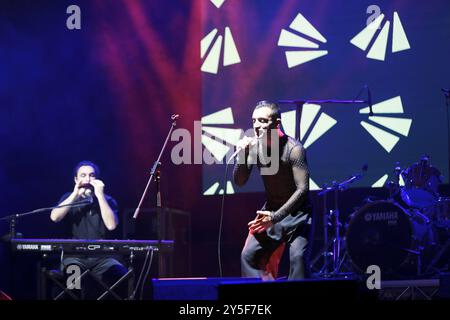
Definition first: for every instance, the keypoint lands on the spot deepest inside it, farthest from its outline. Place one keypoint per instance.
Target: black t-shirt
(86, 222)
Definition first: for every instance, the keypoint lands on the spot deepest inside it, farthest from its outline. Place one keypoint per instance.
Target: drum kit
(406, 235)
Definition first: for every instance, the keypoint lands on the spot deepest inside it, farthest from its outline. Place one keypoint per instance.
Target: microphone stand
(155, 166)
(154, 172)
(299, 103)
(13, 218)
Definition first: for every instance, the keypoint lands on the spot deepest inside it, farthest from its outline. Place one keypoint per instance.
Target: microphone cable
(222, 205)
(221, 218)
(140, 279)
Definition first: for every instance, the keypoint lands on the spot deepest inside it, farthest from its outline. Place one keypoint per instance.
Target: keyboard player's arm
(59, 213)
(108, 209)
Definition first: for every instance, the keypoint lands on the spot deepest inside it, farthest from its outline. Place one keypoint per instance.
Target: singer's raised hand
(244, 143)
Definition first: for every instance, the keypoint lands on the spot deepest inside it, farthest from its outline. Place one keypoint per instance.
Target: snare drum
(439, 213)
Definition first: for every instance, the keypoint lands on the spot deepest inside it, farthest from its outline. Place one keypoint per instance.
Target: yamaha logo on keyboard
(27, 247)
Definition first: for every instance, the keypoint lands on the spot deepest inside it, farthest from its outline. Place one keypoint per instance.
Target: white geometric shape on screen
(378, 50)
(231, 136)
(288, 122)
(211, 190)
(384, 138)
(324, 124)
(217, 149)
(380, 182)
(399, 125)
(313, 185)
(211, 62)
(290, 39)
(224, 116)
(230, 54)
(399, 40)
(217, 3)
(205, 43)
(401, 182)
(230, 189)
(295, 58)
(362, 39)
(309, 113)
(302, 25)
(393, 105)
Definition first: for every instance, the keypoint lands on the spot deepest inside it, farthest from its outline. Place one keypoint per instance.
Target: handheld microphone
(239, 149)
(252, 143)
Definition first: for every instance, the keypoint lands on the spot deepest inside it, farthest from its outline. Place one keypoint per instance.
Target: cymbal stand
(337, 241)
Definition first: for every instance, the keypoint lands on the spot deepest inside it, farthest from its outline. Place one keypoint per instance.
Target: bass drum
(384, 234)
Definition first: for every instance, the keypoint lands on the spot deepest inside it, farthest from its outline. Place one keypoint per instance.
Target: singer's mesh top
(286, 190)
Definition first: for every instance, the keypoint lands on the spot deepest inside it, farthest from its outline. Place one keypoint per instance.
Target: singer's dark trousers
(259, 249)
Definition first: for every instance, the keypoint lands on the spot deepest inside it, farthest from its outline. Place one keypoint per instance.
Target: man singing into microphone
(286, 216)
(91, 221)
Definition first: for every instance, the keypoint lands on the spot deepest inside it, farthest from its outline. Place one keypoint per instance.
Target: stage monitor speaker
(302, 290)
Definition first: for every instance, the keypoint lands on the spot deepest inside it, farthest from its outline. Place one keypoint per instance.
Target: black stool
(58, 279)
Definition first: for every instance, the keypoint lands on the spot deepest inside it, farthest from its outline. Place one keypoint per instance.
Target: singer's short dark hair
(275, 112)
(86, 163)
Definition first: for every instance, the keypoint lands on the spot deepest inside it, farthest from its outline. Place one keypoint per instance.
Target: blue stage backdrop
(317, 50)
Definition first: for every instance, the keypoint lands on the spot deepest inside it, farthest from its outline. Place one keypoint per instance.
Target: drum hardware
(421, 184)
(420, 193)
(332, 218)
(447, 105)
(394, 185)
(432, 267)
(439, 213)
